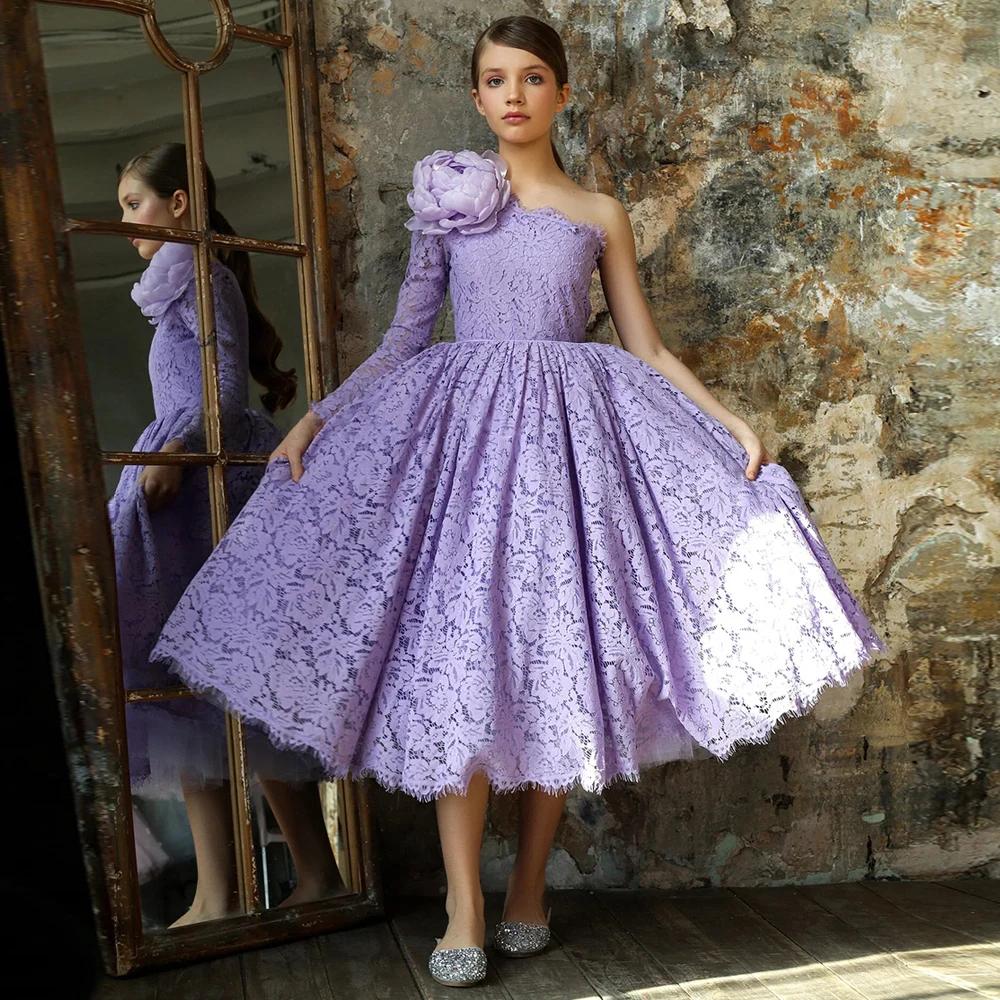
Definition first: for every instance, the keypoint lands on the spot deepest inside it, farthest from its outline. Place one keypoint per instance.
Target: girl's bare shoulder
(603, 210)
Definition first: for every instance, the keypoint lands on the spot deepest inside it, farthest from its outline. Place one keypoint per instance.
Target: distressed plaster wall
(813, 188)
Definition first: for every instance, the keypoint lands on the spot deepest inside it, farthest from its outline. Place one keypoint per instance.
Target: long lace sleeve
(420, 298)
(232, 353)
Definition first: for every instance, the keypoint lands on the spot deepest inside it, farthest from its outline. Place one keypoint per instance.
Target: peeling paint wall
(813, 188)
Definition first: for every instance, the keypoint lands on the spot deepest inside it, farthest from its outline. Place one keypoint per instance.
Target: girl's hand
(162, 483)
(296, 441)
(758, 454)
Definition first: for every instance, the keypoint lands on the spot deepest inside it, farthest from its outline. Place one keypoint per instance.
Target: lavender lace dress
(518, 552)
(156, 555)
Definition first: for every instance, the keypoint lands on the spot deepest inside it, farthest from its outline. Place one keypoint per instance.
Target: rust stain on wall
(813, 189)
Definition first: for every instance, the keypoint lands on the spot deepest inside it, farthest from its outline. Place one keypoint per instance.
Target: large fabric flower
(170, 270)
(457, 191)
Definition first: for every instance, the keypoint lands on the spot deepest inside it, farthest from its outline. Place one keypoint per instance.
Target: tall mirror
(184, 137)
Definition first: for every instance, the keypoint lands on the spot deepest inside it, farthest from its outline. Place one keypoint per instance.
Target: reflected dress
(157, 554)
(518, 553)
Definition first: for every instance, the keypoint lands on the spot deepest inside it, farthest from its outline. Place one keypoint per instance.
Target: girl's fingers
(295, 461)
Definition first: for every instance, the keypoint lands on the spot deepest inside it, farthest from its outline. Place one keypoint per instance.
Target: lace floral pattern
(517, 552)
(157, 554)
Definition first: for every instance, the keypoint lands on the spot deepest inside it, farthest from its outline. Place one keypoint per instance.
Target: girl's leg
(460, 824)
(210, 815)
(539, 814)
(297, 809)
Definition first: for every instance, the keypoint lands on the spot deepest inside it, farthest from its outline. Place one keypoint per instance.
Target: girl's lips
(514, 119)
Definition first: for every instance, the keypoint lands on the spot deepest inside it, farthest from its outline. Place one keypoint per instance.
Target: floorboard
(787, 970)
(849, 955)
(694, 960)
(926, 947)
(977, 918)
(615, 964)
(855, 941)
(293, 971)
(985, 888)
(366, 964)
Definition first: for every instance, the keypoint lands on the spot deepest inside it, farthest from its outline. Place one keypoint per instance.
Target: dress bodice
(527, 278)
(175, 351)
(167, 294)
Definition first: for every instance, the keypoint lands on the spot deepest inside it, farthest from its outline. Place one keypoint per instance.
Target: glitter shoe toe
(519, 940)
(458, 966)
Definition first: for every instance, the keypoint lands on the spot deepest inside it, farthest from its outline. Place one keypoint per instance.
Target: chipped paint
(813, 190)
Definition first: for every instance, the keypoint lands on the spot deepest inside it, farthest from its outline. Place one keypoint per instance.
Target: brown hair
(164, 170)
(533, 35)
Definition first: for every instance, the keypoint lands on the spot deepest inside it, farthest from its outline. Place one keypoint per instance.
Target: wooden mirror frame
(61, 461)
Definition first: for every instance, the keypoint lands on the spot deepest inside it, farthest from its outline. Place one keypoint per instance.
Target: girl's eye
(497, 79)
(133, 205)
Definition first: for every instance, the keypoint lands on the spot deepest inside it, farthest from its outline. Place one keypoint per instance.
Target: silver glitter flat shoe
(457, 966)
(515, 939)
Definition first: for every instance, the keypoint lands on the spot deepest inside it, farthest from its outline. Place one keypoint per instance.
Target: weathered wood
(62, 467)
(743, 944)
(691, 956)
(550, 975)
(788, 971)
(63, 484)
(918, 943)
(978, 919)
(616, 965)
(985, 888)
(140, 988)
(290, 972)
(217, 979)
(366, 964)
(322, 315)
(416, 924)
(849, 955)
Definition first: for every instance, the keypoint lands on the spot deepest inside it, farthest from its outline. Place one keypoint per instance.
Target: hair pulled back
(533, 35)
(163, 169)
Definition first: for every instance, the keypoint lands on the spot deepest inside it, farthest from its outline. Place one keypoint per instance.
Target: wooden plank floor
(857, 941)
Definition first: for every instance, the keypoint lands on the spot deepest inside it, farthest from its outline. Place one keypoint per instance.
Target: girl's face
(143, 205)
(517, 93)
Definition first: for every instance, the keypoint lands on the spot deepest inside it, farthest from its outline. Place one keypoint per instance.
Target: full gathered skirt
(180, 742)
(535, 558)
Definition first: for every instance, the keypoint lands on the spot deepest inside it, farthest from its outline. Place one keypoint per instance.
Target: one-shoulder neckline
(554, 213)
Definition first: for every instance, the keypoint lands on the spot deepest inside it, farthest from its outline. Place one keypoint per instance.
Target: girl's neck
(530, 165)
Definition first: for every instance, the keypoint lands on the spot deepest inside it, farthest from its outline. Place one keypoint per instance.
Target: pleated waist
(498, 341)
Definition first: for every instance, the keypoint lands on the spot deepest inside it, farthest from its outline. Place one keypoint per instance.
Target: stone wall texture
(813, 188)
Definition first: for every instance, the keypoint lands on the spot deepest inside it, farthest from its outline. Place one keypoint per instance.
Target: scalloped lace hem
(553, 784)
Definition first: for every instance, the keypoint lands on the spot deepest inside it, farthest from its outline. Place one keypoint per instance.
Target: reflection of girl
(519, 558)
(161, 525)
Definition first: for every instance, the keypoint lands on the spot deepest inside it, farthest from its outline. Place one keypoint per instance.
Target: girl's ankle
(475, 904)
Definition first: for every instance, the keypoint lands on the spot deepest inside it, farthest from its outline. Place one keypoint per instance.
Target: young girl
(162, 531)
(517, 560)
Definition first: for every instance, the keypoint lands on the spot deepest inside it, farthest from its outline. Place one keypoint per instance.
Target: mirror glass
(299, 843)
(113, 99)
(276, 283)
(189, 26)
(246, 139)
(181, 810)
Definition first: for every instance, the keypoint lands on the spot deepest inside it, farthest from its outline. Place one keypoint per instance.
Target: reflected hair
(163, 169)
(533, 35)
